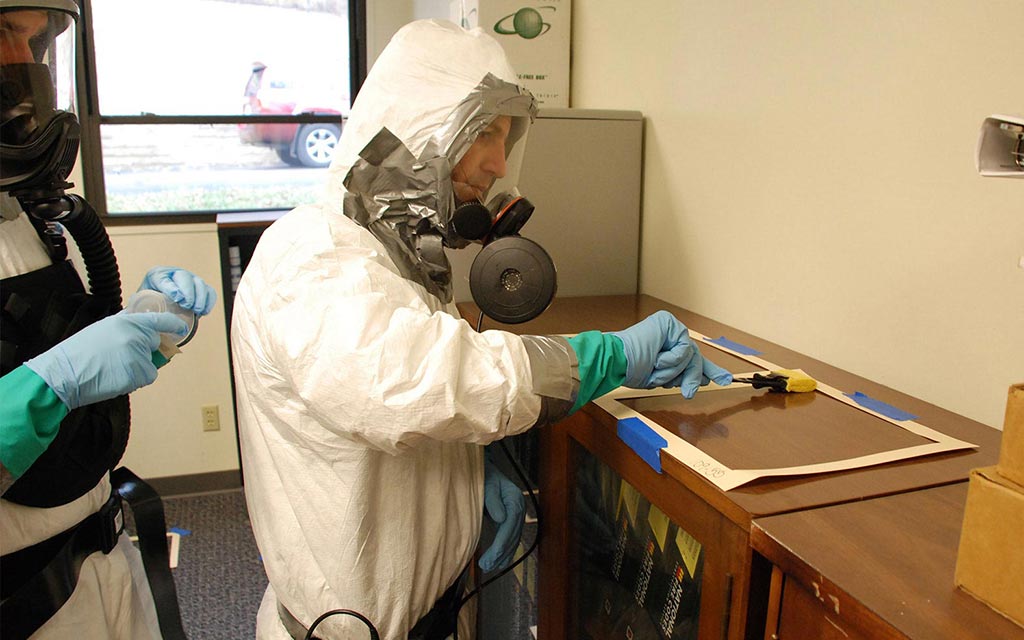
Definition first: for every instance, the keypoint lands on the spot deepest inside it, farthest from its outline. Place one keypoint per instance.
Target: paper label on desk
(689, 549)
(726, 478)
(631, 498)
(659, 525)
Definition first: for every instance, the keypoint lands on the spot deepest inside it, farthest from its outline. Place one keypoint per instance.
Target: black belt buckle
(111, 523)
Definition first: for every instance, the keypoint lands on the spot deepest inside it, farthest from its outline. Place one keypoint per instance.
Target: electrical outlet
(211, 418)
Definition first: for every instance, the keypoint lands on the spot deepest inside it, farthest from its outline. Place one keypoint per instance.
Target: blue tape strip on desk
(878, 406)
(735, 346)
(643, 440)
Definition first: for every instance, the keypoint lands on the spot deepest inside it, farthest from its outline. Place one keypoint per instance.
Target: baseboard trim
(168, 486)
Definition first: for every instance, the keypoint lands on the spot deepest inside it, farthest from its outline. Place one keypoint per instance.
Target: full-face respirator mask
(40, 133)
(513, 279)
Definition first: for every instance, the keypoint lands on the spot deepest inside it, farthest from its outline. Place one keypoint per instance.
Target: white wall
(167, 438)
(809, 177)
(167, 435)
(385, 17)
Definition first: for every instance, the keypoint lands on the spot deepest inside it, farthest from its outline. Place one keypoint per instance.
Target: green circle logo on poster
(526, 23)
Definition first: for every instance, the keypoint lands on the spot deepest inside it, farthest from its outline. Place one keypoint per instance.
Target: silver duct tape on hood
(406, 202)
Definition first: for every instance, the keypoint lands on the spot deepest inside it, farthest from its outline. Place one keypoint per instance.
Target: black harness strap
(151, 527)
(46, 591)
(43, 591)
(37, 310)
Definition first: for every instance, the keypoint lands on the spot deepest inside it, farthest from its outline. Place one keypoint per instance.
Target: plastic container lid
(148, 300)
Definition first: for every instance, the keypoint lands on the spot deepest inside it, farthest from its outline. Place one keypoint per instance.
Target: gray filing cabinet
(582, 170)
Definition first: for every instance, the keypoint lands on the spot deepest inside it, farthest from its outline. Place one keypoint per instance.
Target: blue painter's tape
(179, 531)
(735, 346)
(642, 439)
(878, 406)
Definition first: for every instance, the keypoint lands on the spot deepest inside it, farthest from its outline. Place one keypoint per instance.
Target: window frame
(91, 150)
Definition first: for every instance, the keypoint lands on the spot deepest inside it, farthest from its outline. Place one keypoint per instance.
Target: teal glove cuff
(159, 359)
(602, 365)
(30, 414)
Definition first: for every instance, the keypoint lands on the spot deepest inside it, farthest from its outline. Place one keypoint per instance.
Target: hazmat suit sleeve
(30, 416)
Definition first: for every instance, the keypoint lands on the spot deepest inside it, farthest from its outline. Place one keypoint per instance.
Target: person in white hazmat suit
(67, 360)
(363, 399)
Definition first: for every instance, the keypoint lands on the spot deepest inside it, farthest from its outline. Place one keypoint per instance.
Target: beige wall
(167, 438)
(809, 177)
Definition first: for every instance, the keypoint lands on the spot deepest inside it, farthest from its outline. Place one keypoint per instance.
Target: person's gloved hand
(506, 506)
(660, 353)
(185, 288)
(108, 358)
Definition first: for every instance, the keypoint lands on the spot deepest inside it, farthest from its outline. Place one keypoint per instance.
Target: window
(213, 106)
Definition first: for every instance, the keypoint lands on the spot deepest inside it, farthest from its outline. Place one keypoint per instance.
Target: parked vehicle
(307, 145)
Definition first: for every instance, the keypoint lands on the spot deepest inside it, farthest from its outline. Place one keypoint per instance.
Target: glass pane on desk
(745, 428)
(637, 574)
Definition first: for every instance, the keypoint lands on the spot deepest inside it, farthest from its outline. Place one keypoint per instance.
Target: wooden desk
(735, 581)
(880, 568)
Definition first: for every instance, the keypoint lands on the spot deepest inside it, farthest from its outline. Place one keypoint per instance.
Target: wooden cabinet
(880, 568)
(736, 581)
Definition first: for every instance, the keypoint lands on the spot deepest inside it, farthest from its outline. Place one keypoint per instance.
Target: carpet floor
(219, 577)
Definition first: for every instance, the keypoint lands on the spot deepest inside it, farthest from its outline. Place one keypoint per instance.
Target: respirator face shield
(37, 90)
(486, 204)
(512, 279)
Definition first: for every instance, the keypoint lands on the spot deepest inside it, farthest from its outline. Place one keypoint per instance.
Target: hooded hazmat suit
(362, 398)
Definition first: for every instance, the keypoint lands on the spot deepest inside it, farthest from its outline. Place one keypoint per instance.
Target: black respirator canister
(513, 278)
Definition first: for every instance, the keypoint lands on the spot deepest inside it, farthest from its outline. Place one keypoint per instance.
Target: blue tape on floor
(179, 531)
(878, 406)
(643, 440)
(735, 346)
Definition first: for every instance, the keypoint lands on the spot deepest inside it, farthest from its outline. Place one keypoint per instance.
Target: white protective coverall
(112, 599)
(362, 398)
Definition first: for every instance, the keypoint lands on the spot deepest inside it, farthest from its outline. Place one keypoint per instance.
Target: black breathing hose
(76, 215)
(94, 244)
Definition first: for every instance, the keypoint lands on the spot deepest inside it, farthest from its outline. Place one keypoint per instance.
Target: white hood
(431, 92)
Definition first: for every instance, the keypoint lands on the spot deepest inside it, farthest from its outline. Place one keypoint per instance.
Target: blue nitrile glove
(506, 506)
(106, 359)
(185, 288)
(660, 353)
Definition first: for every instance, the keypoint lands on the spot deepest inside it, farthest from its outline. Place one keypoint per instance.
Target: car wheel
(314, 144)
(285, 153)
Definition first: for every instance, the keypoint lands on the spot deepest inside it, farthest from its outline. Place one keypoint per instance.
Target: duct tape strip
(643, 440)
(734, 346)
(878, 406)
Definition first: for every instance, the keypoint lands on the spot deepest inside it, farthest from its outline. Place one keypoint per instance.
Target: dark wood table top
(740, 426)
(889, 562)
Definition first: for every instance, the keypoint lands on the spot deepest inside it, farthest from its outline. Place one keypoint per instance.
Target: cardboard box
(535, 36)
(990, 561)
(1011, 451)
